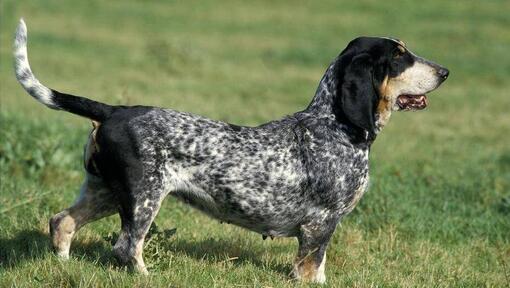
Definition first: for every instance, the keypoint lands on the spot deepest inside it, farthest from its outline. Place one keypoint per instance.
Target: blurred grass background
(438, 210)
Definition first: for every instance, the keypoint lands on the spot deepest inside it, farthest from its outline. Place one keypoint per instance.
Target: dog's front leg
(310, 262)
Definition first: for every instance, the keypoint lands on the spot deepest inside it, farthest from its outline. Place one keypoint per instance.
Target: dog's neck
(325, 104)
(325, 97)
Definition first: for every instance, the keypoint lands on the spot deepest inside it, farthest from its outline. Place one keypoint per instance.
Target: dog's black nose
(443, 73)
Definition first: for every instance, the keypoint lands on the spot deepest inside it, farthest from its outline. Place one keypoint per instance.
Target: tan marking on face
(400, 42)
(385, 104)
(383, 95)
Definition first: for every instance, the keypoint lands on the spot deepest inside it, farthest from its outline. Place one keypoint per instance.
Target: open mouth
(412, 102)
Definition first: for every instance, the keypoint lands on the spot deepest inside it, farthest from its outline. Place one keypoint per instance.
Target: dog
(293, 177)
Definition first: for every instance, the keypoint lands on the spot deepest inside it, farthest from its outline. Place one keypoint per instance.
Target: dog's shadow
(31, 245)
(24, 246)
(220, 250)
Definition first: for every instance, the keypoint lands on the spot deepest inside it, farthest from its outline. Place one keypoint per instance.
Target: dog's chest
(355, 182)
(341, 176)
(352, 197)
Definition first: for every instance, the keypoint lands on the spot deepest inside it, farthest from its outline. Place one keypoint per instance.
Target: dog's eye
(398, 52)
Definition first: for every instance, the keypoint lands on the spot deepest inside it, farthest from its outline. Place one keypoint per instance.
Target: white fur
(415, 80)
(321, 275)
(23, 72)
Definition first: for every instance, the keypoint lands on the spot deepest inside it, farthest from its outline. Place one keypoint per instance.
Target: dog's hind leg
(95, 201)
(137, 215)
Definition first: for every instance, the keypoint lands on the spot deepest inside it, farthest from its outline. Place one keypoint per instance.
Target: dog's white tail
(24, 74)
(50, 97)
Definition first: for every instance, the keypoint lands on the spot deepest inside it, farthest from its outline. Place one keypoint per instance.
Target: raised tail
(49, 97)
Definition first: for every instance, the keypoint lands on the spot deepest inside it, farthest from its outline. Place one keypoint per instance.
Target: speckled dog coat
(294, 177)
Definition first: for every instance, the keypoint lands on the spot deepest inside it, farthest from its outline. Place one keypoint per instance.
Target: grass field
(437, 213)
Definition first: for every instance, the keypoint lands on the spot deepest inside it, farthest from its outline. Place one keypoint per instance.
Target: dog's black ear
(358, 98)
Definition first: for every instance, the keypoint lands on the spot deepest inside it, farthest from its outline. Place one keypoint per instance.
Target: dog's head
(378, 75)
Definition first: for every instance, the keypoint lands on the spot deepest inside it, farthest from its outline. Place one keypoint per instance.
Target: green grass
(438, 210)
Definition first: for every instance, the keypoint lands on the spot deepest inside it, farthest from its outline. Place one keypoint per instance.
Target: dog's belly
(264, 223)
(273, 202)
(263, 210)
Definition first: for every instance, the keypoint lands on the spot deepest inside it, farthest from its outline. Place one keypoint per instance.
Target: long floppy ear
(358, 98)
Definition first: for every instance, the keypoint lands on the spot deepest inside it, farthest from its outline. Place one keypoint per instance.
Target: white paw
(64, 255)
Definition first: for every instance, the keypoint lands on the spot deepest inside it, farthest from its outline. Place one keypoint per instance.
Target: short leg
(95, 202)
(136, 221)
(310, 267)
(310, 262)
